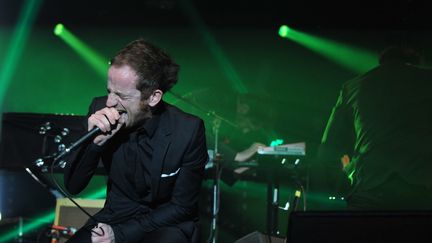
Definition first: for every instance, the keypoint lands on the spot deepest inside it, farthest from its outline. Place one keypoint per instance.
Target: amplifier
(67, 214)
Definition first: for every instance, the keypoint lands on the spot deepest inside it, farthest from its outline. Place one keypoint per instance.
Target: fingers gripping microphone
(83, 139)
(90, 134)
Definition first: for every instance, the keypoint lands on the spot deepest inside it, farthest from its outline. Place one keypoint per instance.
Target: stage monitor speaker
(69, 215)
(257, 237)
(359, 226)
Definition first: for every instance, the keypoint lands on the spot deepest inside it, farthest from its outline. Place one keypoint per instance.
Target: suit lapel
(162, 142)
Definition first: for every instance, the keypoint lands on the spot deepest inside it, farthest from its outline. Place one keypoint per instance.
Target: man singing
(154, 154)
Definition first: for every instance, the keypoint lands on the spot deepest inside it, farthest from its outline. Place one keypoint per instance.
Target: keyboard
(285, 149)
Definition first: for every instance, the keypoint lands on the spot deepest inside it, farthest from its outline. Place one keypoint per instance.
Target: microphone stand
(63, 152)
(55, 157)
(39, 166)
(216, 181)
(208, 113)
(217, 120)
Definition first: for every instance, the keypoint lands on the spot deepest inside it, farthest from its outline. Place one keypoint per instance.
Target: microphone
(91, 133)
(40, 162)
(82, 140)
(64, 230)
(87, 136)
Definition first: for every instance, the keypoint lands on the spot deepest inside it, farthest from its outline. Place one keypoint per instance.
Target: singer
(154, 154)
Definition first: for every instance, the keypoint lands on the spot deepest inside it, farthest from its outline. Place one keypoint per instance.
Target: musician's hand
(103, 233)
(109, 121)
(248, 153)
(345, 160)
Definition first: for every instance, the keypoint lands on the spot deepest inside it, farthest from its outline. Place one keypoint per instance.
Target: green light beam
(17, 45)
(48, 218)
(94, 59)
(216, 50)
(98, 194)
(354, 58)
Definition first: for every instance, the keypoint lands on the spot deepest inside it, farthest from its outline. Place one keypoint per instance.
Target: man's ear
(155, 98)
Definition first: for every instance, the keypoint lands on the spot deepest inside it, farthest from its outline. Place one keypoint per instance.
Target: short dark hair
(400, 54)
(155, 68)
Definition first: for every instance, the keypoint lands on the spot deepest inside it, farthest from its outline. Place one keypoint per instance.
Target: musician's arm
(248, 153)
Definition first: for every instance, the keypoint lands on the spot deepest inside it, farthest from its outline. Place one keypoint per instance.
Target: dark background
(304, 14)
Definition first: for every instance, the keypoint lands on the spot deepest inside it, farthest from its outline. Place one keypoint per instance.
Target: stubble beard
(143, 114)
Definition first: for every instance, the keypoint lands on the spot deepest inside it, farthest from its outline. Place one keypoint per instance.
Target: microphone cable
(67, 195)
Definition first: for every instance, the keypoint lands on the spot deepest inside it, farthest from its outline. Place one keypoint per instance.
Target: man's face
(124, 96)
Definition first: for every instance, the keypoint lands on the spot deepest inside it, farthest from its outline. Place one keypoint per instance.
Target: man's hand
(106, 234)
(248, 153)
(345, 160)
(109, 121)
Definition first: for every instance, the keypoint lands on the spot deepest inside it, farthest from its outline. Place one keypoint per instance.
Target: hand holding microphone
(97, 123)
(108, 121)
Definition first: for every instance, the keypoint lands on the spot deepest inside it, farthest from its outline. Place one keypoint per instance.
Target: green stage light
(58, 30)
(353, 58)
(283, 31)
(93, 58)
(17, 45)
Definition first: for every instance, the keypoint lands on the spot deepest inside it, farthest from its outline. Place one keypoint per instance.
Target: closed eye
(120, 95)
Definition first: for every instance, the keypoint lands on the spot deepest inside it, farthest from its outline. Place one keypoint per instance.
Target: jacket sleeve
(79, 173)
(82, 168)
(183, 205)
(339, 136)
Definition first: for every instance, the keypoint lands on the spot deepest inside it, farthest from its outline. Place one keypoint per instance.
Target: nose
(112, 100)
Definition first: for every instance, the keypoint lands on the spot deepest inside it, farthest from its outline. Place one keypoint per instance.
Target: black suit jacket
(176, 170)
(383, 121)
